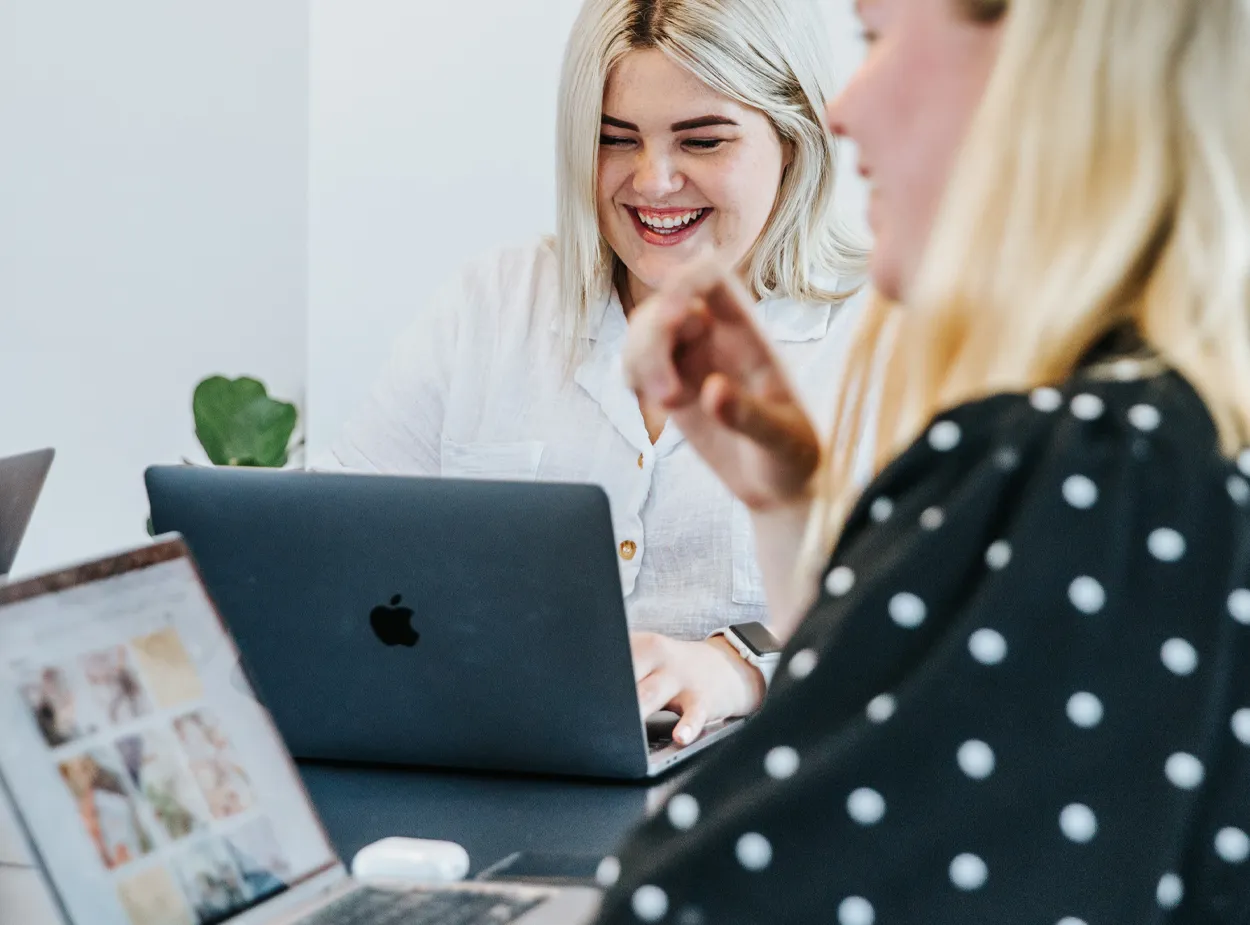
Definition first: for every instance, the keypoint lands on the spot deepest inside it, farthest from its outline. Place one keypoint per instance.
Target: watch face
(757, 638)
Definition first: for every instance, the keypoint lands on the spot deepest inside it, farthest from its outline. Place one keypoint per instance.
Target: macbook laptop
(21, 480)
(423, 621)
(153, 788)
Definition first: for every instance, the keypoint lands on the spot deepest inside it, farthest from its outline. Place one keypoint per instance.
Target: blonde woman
(1021, 692)
(687, 128)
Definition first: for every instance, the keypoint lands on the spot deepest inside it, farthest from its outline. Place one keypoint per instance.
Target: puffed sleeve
(1022, 696)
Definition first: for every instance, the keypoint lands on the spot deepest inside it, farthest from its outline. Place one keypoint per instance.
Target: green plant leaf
(238, 424)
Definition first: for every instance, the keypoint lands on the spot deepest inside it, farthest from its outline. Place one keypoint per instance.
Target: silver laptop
(21, 480)
(151, 784)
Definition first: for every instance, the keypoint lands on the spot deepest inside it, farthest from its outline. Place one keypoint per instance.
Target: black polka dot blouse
(1022, 697)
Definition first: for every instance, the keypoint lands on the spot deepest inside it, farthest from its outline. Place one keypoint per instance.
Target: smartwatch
(756, 645)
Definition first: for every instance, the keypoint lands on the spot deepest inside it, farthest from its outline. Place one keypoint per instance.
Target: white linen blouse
(478, 387)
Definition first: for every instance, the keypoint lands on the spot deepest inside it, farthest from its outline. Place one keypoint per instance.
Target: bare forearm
(779, 535)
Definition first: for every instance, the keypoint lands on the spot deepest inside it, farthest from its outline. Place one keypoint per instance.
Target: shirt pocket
(748, 581)
(511, 461)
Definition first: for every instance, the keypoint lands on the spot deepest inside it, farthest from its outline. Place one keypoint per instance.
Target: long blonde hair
(771, 55)
(1105, 180)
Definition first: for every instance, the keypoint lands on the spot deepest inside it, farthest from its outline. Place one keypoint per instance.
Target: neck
(631, 289)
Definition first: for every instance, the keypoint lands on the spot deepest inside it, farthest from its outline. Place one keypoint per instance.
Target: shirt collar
(782, 319)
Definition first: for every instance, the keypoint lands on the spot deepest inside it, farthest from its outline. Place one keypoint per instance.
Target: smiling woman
(661, 182)
(687, 129)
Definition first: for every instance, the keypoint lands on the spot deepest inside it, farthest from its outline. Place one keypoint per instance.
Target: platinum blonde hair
(1105, 180)
(771, 55)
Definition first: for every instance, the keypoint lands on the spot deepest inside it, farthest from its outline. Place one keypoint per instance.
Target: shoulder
(513, 275)
(1108, 463)
(503, 293)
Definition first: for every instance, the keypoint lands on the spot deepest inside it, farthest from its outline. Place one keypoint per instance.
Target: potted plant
(238, 423)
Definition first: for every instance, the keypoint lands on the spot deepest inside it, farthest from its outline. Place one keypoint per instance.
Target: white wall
(153, 230)
(432, 138)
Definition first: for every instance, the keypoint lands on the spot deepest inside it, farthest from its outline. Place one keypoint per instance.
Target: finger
(656, 329)
(727, 300)
(647, 650)
(781, 427)
(656, 691)
(693, 718)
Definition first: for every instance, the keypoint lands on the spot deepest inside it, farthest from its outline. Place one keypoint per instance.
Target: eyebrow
(684, 126)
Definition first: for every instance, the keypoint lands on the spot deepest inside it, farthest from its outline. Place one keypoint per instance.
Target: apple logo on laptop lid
(393, 624)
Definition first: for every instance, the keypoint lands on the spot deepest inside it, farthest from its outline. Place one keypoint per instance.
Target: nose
(655, 176)
(835, 116)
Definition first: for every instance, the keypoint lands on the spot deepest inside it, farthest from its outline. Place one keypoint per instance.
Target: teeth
(669, 221)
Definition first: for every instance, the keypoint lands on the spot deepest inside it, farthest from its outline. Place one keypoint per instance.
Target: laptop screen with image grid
(151, 782)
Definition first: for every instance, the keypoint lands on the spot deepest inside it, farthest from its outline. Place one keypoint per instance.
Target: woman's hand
(694, 350)
(705, 682)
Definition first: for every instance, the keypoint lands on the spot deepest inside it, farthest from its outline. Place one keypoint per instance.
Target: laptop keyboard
(368, 906)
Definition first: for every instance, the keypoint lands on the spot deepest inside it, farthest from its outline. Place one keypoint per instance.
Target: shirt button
(640, 460)
(628, 549)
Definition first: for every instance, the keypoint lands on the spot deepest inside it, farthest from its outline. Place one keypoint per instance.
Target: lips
(667, 227)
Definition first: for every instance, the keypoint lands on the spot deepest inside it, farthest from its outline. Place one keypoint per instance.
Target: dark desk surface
(492, 816)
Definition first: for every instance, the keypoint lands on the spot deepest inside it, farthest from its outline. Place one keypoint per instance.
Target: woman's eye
(705, 144)
(613, 141)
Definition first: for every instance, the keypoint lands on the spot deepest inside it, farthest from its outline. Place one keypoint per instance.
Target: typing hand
(694, 350)
(704, 682)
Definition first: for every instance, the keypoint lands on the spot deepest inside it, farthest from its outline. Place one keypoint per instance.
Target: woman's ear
(787, 154)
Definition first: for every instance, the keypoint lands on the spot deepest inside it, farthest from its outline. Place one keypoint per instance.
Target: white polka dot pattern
(1184, 771)
(1080, 492)
(1239, 606)
(1126, 370)
(608, 872)
(1078, 823)
(1008, 458)
(1179, 657)
(1166, 545)
(1087, 595)
(1046, 399)
(1145, 418)
(803, 664)
(944, 436)
(968, 872)
(1241, 726)
(1087, 407)
(1085, 710)
(1104, 696)
(976, 759)
(880, 510)
(1243, 462)
(1232, 845)
(855, 910)
(881, 708)
(987, 646)
(907, 610)
(650, 903)
(754, 851)
(781, 763)
(1170, 891)
(840, 581)
(865, 806)
(683, 812)
(998, 556)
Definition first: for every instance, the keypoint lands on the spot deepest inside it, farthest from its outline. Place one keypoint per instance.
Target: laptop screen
(153, 785)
